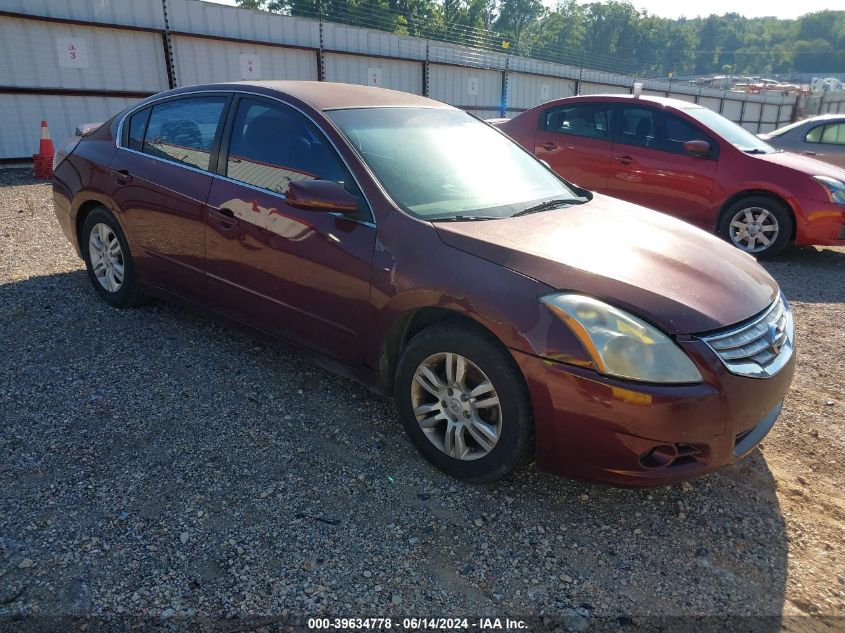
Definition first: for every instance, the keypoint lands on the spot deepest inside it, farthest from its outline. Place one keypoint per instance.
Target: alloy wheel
(106, 257)
(754, 229)
(456, 406)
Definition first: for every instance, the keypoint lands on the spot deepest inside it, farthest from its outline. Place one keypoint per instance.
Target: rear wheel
(463, 403)
(108, 260)
(758, 225)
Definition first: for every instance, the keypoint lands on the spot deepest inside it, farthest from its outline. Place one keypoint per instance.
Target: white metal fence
(74, 61)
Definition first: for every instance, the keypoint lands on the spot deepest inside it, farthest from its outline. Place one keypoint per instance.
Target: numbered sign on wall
(374, 76)
(545, 92)
(250, 67)
(472, 86)
(73, 52)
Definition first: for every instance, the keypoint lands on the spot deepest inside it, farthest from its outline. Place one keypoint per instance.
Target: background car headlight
(835, 188)
(620, 344)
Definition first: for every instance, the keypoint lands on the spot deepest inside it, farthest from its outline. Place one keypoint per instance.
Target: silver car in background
(821, 137)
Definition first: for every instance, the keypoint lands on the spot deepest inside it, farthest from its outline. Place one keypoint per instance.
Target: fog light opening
(659, 456)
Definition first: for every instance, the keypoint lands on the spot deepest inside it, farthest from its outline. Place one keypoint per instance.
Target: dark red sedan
(404, 243)
(691, 162)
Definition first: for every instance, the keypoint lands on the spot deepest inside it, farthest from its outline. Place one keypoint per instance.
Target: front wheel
(758, 225)
(464, 403)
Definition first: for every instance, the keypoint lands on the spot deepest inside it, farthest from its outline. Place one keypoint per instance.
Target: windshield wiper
(755, 150)
(465, 218)
(549, 205)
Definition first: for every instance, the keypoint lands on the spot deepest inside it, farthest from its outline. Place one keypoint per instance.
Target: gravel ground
(158, 467)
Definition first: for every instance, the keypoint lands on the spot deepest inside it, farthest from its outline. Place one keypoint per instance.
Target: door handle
(625, 160)
(225, 218)
(809, 152)
(549, 146)
(122, 176)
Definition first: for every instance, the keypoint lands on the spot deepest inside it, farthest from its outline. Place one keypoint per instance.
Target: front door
(299, 274)
(575, 140)
(650, 167)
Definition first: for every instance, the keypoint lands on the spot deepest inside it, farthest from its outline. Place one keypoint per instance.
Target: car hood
(804, 164)
(680, 278)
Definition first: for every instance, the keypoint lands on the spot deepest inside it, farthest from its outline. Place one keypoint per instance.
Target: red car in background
(688, 161)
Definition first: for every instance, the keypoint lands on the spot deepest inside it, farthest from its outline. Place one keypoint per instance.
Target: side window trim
(824, 127)
(232, 95)
(226, 140)
(122, 137)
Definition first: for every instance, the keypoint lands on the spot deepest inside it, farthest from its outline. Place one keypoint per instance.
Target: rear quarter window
(137, 128)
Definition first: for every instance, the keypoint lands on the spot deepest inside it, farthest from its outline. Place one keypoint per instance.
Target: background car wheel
(108, 260)
(464, 403)
(758, 225)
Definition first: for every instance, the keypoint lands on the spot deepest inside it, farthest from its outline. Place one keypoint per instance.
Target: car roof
(326, 95)
(664, 101)
(825, 117)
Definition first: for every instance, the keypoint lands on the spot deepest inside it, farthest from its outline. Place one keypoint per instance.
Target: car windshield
(784, 129)
(737, 136)
(443, 164)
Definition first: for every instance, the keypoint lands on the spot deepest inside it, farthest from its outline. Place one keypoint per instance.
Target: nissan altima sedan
(404, 243)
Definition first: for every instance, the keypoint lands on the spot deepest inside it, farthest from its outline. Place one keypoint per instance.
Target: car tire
(461, 430)
(751, 221)
(108, 260)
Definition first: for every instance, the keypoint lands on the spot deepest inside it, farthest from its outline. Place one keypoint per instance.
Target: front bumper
(599, 429)
(820, 223)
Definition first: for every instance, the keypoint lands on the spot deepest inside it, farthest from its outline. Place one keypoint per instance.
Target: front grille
(758, 349)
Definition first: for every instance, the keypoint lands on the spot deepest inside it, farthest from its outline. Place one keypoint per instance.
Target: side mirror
(697, 147)
(320, 195)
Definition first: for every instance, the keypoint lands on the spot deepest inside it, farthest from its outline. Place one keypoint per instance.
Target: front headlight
(620, 344)
(835, 188)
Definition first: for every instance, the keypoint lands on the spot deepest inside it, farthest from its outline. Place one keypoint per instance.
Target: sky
(678, 8)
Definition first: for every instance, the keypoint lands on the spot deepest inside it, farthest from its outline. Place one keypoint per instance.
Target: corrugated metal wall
(190, 16)
(64, 115)
(469, 88)
(373, 71)
(30, 50)
(526, 91)
(590, 88)
(120, 55)
(202, 61)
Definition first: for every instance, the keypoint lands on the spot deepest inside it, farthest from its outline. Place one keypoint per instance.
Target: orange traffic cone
(43, 160)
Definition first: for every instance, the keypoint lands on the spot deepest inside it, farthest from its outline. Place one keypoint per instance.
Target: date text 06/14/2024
(417, 624)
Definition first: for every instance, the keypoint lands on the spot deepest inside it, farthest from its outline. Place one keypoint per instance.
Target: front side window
(734, 134)
(183, 130)
(638, 126)
(274, 145)
(677, 132)
(587, 120)
(445, 164)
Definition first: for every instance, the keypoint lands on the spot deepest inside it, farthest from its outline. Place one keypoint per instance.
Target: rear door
(826, 142)
(300, 274)
(650, 167)
(576, 141)
(161, 181)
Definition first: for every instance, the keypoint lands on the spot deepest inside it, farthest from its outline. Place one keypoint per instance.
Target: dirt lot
(157, 467)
